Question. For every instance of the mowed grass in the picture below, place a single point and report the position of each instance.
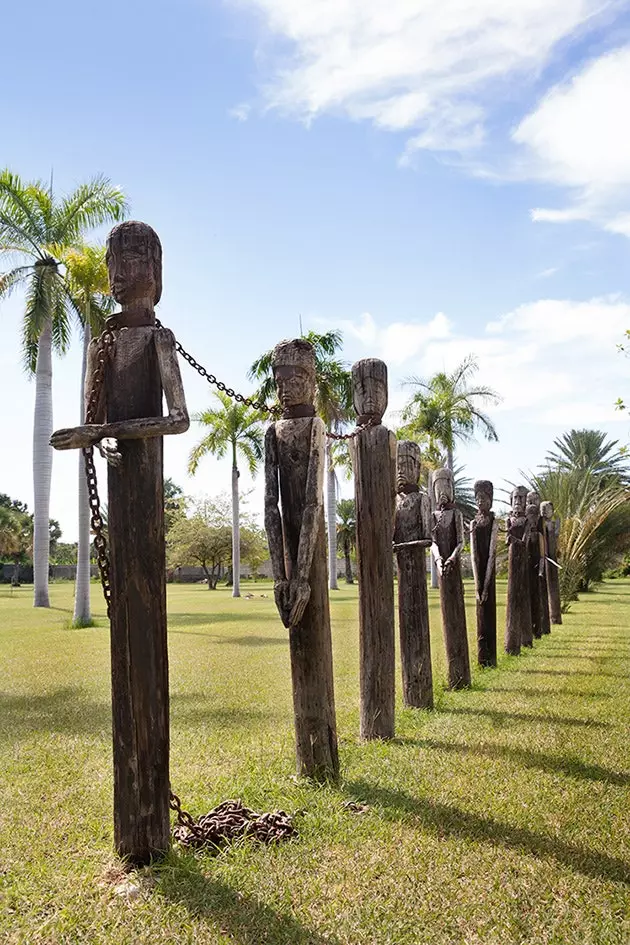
(503, 816)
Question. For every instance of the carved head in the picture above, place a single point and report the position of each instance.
(134, 263)
(546, 510)
(293, 364)
(532, 511)
(407, 466)
(484, 494)
(533, 498)
(518, 499)
(369, 388)
(443, 489)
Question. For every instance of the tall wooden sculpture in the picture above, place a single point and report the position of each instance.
(483, 547)
(448, 540)
(518, 623)
(129, 428)
(411, 537)
(294, 477)
(552, 533)
(374, 458)
(537, 580)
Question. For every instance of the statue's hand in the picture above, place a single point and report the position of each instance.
(281, 595)
(108, 448)
(74, 438)
(300, 594)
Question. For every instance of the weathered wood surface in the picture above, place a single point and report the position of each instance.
(411, 538)
(141, 366)
(483, 545)
(536, 568)
(552, 532)
(294, 476)
(374, 457)
(448, 539)
(518, 623)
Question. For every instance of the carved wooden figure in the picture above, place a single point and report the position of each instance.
(518, 622)
(483, 547)
(537, 581)
(128, 431)
(294, 520)
(411, 538)
(374, 458)
(448, 540)
(552, 529)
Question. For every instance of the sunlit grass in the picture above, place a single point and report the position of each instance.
(500, 817)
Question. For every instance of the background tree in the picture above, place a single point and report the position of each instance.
(86, 272)
(333, 403)
(347, 532)
(235, 428)
(254, 547)
(203, 539)
(36, 229)
(16, 534)
(174, 503)
(589, 451)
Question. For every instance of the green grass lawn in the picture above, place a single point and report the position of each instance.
(503, 816)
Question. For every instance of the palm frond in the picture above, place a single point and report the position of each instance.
(90, 205)
(9, 281)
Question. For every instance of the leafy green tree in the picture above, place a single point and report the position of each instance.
(333, 403)
(203, 539)
(16, 533)
(347, 532)
(235, 429)
(174, 503)
(254, 547)
(590, 451)
(36, 230)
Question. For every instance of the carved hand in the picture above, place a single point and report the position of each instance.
(73, 438)
(108, 448)
(299, 596)
(281, 595)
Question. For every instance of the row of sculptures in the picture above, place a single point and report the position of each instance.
(392, 514)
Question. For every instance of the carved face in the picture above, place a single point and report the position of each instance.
(533, 498)
(133, 265)
(546, 510)
(519, 500)
(443, 491)
(295, 385)
(407, 466)
(532, 511)
(484, 501)
(369, 391)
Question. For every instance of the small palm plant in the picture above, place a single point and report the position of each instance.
(347, 532)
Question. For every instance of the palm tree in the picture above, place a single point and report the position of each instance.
(35, 230)
(445, 409)
(589, 450)
(333, 402)
(237, 428)
(347, 532)
(86, 272)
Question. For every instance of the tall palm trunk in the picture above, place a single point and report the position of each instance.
(236, 532)
(82, 584)
(331, 508)
(346, 551)
(42, 466)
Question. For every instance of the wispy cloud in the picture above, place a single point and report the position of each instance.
(240, 112)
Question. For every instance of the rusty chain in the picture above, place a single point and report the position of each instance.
(230, 821)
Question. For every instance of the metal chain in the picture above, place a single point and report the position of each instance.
(211, 379)
(353, 433)
(230, 821)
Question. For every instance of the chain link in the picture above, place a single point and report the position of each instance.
(337, 437)
(227, 822)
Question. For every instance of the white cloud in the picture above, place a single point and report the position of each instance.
(240, 112)
(427, 66)
(553, 360)
(578, 137)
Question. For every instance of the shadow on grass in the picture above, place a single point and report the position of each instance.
(175, 618)
(498, 716)
(67, 711)
(569, 672)
(542, 693)
(251, 641)
(245, 919)
(555, 764)
(447, 820)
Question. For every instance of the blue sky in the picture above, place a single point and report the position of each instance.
(434, 178)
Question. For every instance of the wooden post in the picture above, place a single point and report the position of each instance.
(143, 364)
(374, 460)
(294, 476)
(411, 537)
(518, 623)
(483, 546)
(552, 529)
(448, 540)
(536, 563)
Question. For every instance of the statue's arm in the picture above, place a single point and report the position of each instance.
(492, 559)
(435, 551)
(473, 559)
(300, 587)
(273, 519)
(459, 529)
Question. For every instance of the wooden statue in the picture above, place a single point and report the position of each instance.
(552, 533)
(518, 623)
(128, 430)
(411, 537)
(294, 477)
(448, 541)
(374, 460)
(536, 550)
(484, 529)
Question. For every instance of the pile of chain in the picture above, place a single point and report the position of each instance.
(230, 821)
